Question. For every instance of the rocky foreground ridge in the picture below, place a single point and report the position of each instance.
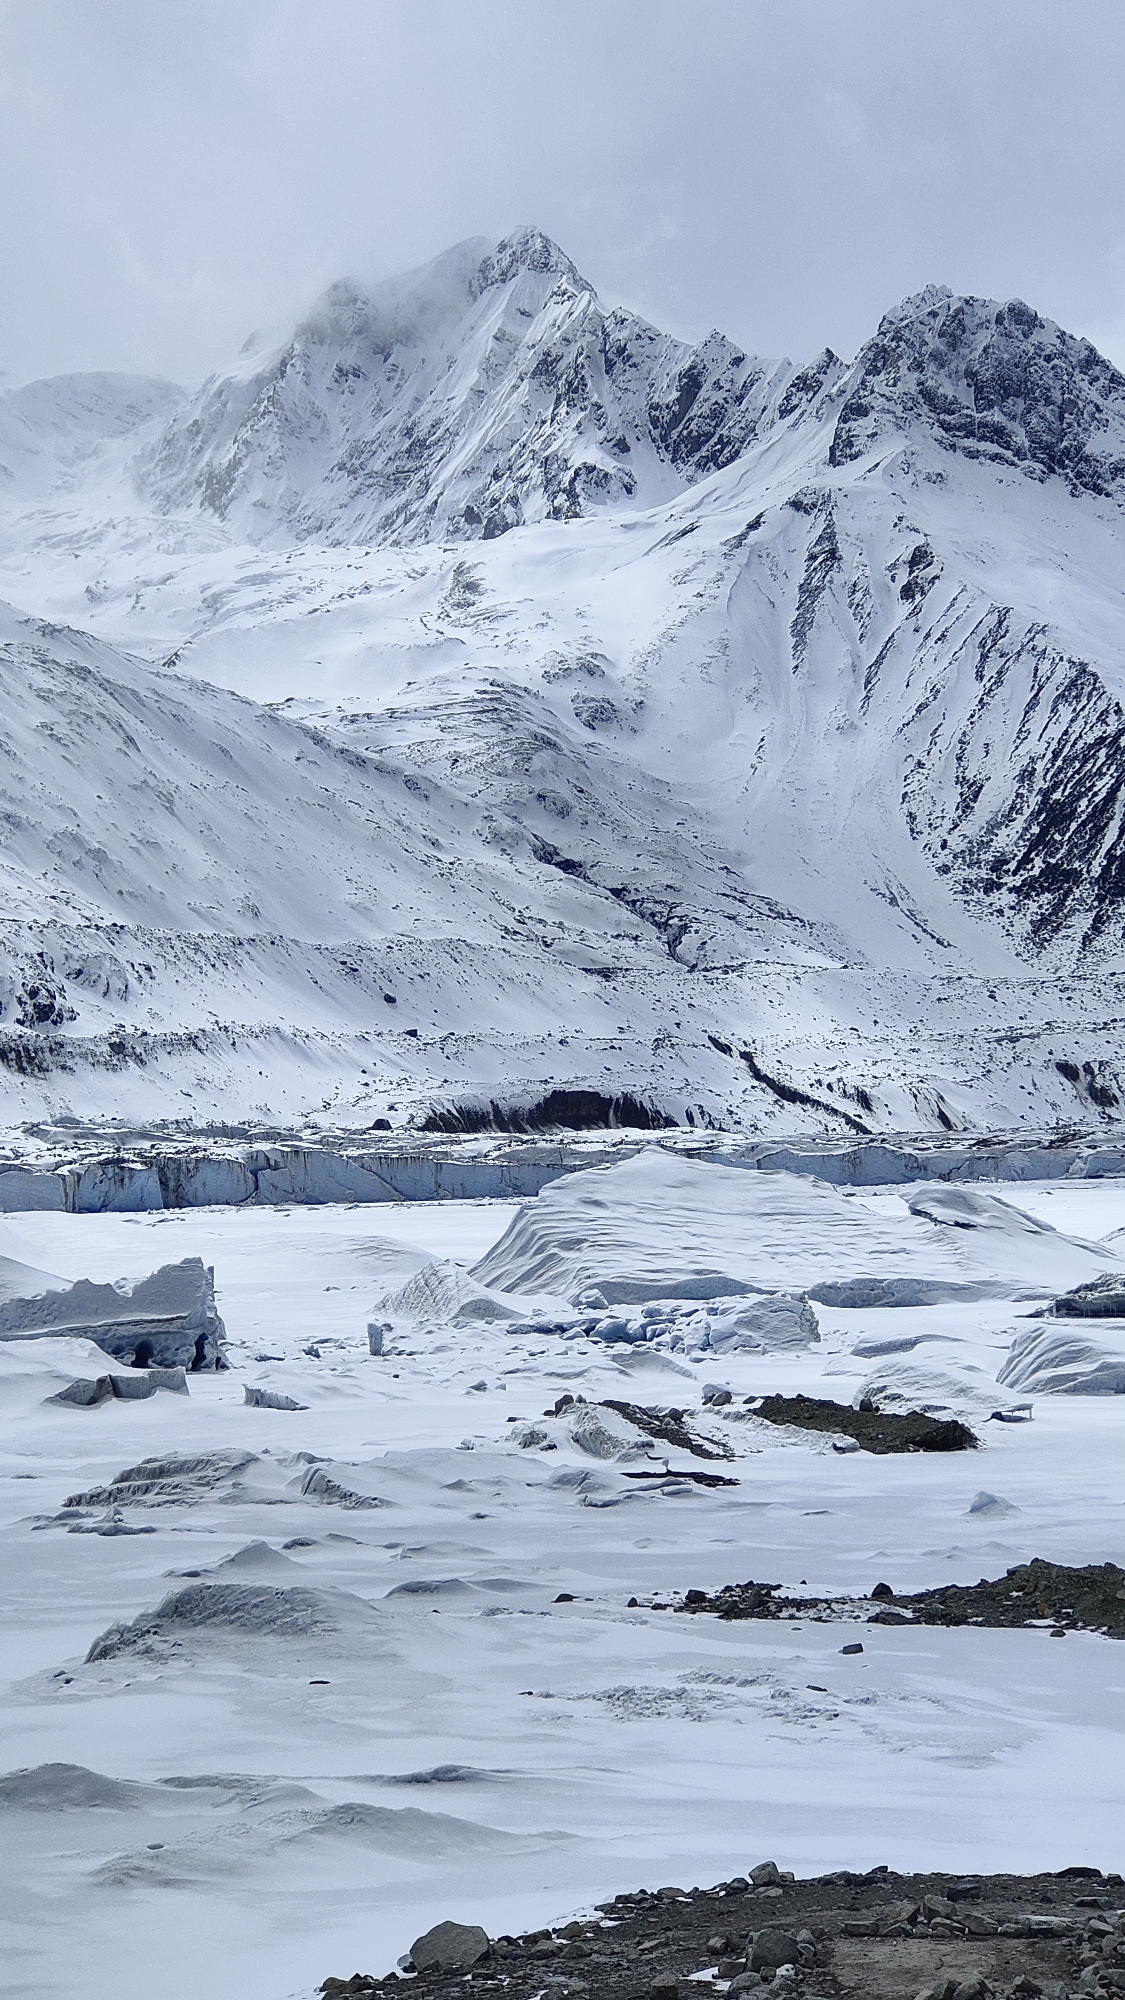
(880, 1935)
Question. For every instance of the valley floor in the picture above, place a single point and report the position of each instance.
(257, 1803)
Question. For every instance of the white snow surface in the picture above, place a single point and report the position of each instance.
(739, 736)
(662, 1227)
(334, 1699)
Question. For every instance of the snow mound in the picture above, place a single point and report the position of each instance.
(1017, 1246)
(1051, 1361)
(246, 1610)
(257, 1558)
(174, 1479)
(661, 1227)
(317, 1484)
(764, 1325)
(45, 1371)
(990, 1505)
(23, 1281)
(257, 1398)
(1102, 1298)
(897, 1388)
(441, 1294)
(399, 1830)
(66, 1788)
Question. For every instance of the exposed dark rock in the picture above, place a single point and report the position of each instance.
(568, 1110)
(991, 381)
(1091, 1599)
(871, 1429)
(668, 1427)
(872, 1936)
(450, 1947)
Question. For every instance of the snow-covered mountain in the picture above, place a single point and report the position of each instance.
(489, 389)
(744, 738)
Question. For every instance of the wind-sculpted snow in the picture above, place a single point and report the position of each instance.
(239, 1638)
(247, 1610)
(664, 1228)
(1056, 1360)
(440, 1293)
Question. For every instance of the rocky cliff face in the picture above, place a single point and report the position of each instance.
(990, 381)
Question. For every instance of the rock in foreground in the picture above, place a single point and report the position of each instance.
(450, 1948)
(1030, 1594)
(873, 1430)
(876, 1936)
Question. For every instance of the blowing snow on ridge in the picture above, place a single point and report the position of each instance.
(483, 695)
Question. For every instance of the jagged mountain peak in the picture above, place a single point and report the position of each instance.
(396, 309)
(991, 379)
(527, 249)
(842, 772)
(488, 389)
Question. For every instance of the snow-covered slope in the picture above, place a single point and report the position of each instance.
(768, 769)
(53, 433)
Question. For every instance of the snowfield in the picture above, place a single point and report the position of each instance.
(307, 1687)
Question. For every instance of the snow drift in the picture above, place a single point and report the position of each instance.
(658, 1227)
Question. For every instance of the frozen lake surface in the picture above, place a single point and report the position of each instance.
(429, 1733)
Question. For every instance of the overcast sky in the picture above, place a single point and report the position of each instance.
(178, 173)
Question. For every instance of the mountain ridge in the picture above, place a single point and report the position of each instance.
(796, 746)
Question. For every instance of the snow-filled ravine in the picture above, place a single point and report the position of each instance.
(363, 1706)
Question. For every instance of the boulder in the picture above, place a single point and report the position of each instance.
(450, 1947)
(771, 1948)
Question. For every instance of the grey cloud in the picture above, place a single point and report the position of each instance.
(178, 172)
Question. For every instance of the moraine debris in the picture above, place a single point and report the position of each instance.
(872, 1936)
(1031, 1594)
(873, 1430)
